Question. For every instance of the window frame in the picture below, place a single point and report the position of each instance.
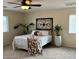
(7, 25)
(69, 25)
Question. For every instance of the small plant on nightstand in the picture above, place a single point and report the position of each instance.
(57, 30)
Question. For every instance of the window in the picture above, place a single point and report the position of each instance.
(5, 24)
(72, 24)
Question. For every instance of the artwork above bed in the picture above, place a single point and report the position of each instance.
(44, 23)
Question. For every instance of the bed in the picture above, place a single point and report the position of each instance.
(21, 41)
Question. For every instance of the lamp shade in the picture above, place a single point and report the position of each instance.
(25, 7)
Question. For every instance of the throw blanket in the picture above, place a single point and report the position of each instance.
(34, 45)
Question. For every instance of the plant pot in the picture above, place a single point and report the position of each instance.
(58, 41)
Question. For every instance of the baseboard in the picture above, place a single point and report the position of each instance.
(69, 47)
(6, 44)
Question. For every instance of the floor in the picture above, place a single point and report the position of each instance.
(48, 53)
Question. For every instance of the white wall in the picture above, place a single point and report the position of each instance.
(61, 17)
(14, 19)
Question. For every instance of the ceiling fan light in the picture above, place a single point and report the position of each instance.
(27, 1)
(25, 7)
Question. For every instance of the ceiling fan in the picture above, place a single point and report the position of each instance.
(25, 4)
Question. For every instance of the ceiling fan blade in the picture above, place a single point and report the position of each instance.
(13, 3)
(17, 6)
(20, 6)
(37, 5)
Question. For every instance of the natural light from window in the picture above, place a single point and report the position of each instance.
(72, 24)
(5, 24)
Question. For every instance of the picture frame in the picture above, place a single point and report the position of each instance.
(44, 23)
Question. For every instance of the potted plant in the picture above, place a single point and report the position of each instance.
(57, 30)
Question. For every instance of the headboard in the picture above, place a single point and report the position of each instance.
(44, 23)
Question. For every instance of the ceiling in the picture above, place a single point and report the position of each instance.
(46, 5)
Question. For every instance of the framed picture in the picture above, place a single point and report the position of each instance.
(44, 23)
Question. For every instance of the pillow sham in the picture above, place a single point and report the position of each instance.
(44, 32)
(41, 32)
(36, 33)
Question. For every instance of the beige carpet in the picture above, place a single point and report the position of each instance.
(48, 53)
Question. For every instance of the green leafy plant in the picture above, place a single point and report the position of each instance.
(57, 30)
(26, 27)
(23, 26)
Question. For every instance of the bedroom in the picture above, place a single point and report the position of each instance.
(60, 16)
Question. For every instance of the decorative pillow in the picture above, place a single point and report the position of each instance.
(36, 33)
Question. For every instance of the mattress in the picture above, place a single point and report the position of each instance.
(21, 41)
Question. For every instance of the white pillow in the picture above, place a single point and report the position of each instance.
(43, 32)
(32, 32)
